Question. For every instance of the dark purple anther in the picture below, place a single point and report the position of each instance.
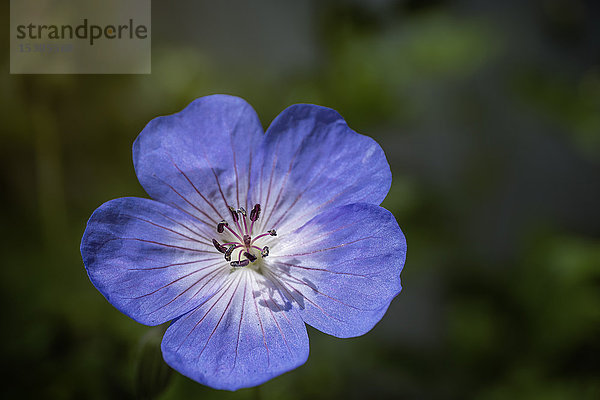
(247, 240)
(272, 232)
(237, 264)
(221, 226)
(255, 213)
(242, 211)
(265, 251)
(234, 214)
(218, 246)
(228, 252)
(250, 256)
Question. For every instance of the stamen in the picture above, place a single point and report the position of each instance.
(236, 218)
(245, 242)
(265, 251)
(237, 264)
(242, 211)
(229, 251)
(234, 214)
(221, 226)
(233, 232)
(218, 246)
(270, 232)
(255, 213)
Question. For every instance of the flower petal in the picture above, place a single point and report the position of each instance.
(341, 269)
(311, 161)
(149, 260)
(199, 159)
(244, 335)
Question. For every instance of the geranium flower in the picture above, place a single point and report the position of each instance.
(249, 237)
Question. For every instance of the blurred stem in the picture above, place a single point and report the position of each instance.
(50, 185)
(50, 189)
(152, 375)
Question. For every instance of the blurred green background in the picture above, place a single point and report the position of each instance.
(489, 113)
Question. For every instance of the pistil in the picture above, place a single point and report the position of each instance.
(245, 241)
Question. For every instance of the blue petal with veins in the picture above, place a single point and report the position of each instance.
(250, 236)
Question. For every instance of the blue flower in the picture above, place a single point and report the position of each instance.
(251, 236)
